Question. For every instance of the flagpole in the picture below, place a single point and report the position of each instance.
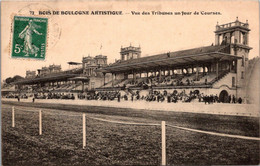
(101, 49)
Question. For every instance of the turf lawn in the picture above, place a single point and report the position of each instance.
(116, 144)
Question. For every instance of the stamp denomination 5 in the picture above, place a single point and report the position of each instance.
(29, 37)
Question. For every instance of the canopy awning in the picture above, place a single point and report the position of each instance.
(172, 60)
(79, 79)
(61, 76)
(74, 63)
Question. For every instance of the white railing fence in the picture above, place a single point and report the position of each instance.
(163, 129)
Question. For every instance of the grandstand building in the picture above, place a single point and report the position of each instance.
(78, 79)
(49, 70)
(30, 74)
(218, 69)
(91, 78)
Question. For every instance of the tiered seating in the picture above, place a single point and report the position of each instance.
(124, 82)
(73, 86)
(78, 86)
(61, 87)
(117, 83)
(169, 80)
(138, 82)
(209, 77)
(110, 83)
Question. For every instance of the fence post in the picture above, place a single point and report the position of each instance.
(40, 122)
(84, 129)
(163, 144)
(13, 124)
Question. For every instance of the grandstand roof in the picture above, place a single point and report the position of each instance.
(46, 79)
(74, 63)
(79, 78)
(61, 76)
(173, 59)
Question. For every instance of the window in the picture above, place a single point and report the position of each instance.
(233, 81)
(92, 85)
(242, 75)
(243, 61)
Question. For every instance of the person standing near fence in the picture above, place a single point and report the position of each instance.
(118, 97)
(233, 99)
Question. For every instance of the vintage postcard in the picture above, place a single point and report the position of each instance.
(130, 82)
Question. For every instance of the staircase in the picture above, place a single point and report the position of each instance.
(220, 76)
(109, 84)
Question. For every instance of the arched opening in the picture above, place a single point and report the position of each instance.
(223, 96)
(197, 92)
(220, 39)
(233, 37)
(206, 70)
(184, 71)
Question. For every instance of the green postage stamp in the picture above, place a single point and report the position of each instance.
(29, 37)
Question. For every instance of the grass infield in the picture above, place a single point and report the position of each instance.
(116, 144)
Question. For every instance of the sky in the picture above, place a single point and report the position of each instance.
(70, 37)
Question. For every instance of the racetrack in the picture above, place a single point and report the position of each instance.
(110, 143)
(251, 110)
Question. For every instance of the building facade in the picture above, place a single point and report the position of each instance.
(130, 52)
(30, 74)
(91, 64)
(49, 70)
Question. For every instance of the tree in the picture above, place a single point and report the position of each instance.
(8, 80)
(14, 79)
(17, 78)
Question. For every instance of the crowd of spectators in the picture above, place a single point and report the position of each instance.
(174, 97)
(16, 95)
(41, 95)
(54, 96)
(156, 96)
(112, 95)
(152, 96)
(173, 80)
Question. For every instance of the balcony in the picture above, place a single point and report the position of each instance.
(232, 24)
